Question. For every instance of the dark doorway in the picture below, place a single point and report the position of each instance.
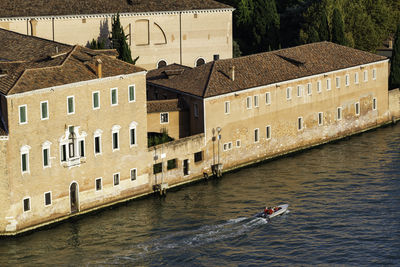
(73, 196)
(186, 167)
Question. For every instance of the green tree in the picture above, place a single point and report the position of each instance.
(395, 63)
(118, 41)
(338, 35)
(324, 33)
(272, 22)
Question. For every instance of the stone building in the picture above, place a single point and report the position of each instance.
(73, 131)
(188, 32)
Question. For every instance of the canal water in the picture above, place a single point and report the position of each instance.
(344, 209)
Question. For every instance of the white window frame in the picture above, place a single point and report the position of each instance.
(267, 98)
(300, 124)
(365, 76)
(129, 93)
(196, 110)
(288, 93)
(230, 145)
(227, 107)
(98, 93)
(46, 146)
(51, 199)
(347, 80)
(339, 114)
(319, 86)
(24, 150)
(256, 134)
(268, 132)
(41, 110)
(132, 126)
(119, 179)
(116, 96)
(98, 134)
(320, 118)
(309, 88)
(256, 104)
(26, 114)
(299, 90)
(115, 130)
(161, 122)
(225, 147)
(357, 108)
(356, 78)
(337, 80)
(238, 143)
(136, 174)
(101, 184)
(248, 102)
(374, 103)
(374, 74)
(73, 104)
(23, 204)
(328, 84)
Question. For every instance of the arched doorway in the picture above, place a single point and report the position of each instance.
(74, 197)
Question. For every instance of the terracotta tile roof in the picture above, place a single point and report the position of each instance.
(2, 131)
(23, 8)
(214, 78)
(166, 105)
(33, 68)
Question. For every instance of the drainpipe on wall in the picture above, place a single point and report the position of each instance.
(180, 37)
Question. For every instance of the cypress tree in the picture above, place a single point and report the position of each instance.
(272, 25)
(395, 64)
(338, 28)
(118, 41)
(324, 34)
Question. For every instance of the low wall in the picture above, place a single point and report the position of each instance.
(394, 104)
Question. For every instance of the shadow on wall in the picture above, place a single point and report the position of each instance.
(103, 41)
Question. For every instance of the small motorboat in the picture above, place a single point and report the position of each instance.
(273, 211)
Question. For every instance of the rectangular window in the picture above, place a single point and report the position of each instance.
(46, 156)
(164, 117)
(23, 118)
(227, 107)
(70, 105)
(63, 153)
(256, 135)
(373, 74)
(319, 89)
(27, 204)
(157, 168)
(133, 136)
(82, 148)
(99, 184)
(44, 112)
(299, 123)
(299, 91)
(337, 82)
(25, 162)
(238, 143)
(131, 90)
(356, 78)
(97, 145)
(116, 179)
(196, 110)
(198, 156)
(357, 108)
(248, 102)
(267, 98)
(374, 104)
(268, 132)
(365, 76)
(96, 100)
(115, 143)
(309, 88)
(133, 174)
(171, 164)
(229, 145)
(347, 80)
(114, 96)
(320, 118)
(71, 150)
(328, 84)
(256, 101)
(339, 113)
(47, 199)
(225, 146)
(288, 93)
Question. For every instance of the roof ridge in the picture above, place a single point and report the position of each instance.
(34, 37)
(209, 78)
(16, 81)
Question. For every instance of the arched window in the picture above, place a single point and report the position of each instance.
(162, 63)
(200, 61)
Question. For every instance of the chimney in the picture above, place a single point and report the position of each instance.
(390, 44)
(56, 49)
(99, 65)
(232, 70)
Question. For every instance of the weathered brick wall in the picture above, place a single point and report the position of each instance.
(4, 186)
(394, 103)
